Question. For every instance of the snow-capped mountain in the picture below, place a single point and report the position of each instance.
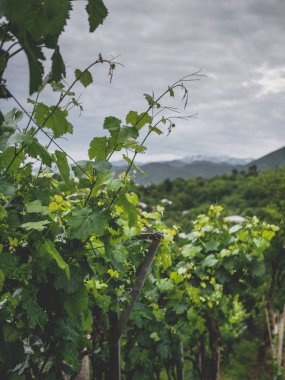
(217, 159)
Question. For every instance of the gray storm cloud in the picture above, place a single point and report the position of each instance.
(238, 44)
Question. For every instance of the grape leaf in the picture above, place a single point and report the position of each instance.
(102, 179)
(7, 188)
(35, 314)
(58, 66)
(210, 261)
(36, 150)
(40, 225)
(48, 247)
(37, 207)
(3, 212)
(98, 148)
(102, 166)
(130, 209)
(84, 77)
(68, 285)
(84, 222)
(137, 120)
(62, 165)
(112, 124)
(35, 56)
(19, 138)
(82, 167)
(156, 130)
(53, 118)
(10, 334)
(126, 132)
(97, 13)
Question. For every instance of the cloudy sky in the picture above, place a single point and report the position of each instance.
(238, 44)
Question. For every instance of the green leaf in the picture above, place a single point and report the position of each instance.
(53, 118)
(83, 166)
(4, 92)
(138, 121)
(149, 99)
(130, 210)
(180, 308)
(212, 245)
(35, 56)
(163, 350)
(155, 336)
(35, 314)
(125, 133)
(132, 117)
(97, 13)
(7, 188)
(37, 150)
(62, 165)
(37, 208)
(48, 247)
(68, 285)
(3, 212)
(8, 128)
(9, 263)
(83, 223)
(9, 139)
(156, 130)
(12, 118)
(7, 159)
(72, 361)
(58, 87)
(126, 158)
(102, 166)
(171, 92)
(98, 148)
(112, 124)
(38, 226)
(84, 77)
(58, 66)
(258, 269)
(19, 138)
(102, 179)
(165, 284)
(120, 136)
(10, 333)
(36, 25)
(189, 250)
(77, 302)
(210, 261)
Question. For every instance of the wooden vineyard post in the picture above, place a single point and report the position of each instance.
(119, 323)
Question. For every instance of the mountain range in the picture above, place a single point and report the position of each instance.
(201, 166)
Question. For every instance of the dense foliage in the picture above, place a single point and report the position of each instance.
(74, 239)
(243, 194)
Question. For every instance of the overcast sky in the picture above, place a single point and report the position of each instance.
(238, 44)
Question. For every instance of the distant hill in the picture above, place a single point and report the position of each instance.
(157, 172)
(269, 161)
